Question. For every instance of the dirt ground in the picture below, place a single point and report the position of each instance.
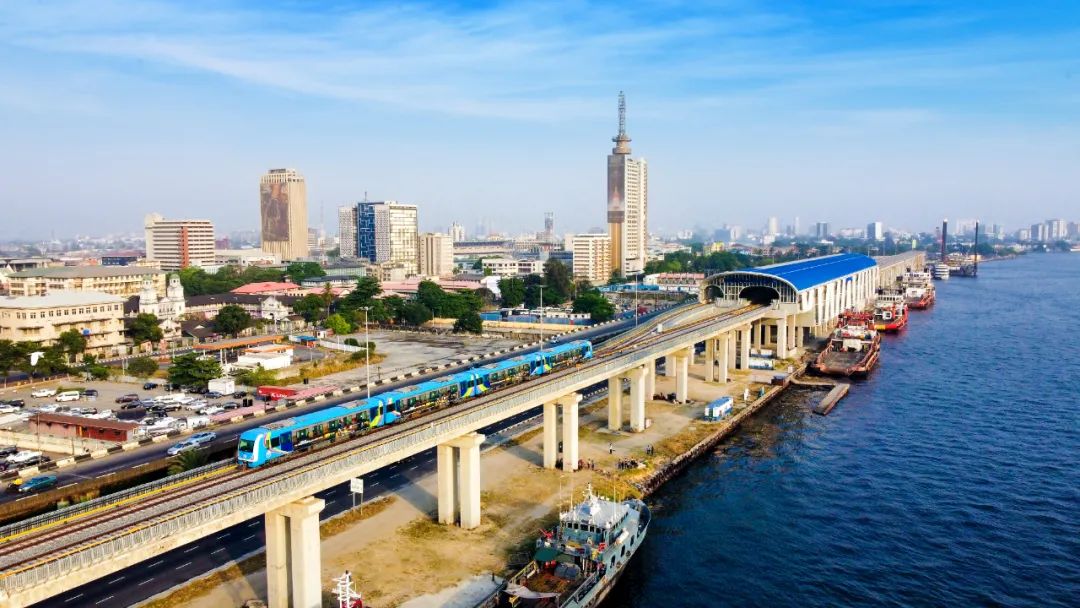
(401, 557)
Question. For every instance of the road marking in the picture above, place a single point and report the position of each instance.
(221, 536)
(249, 537)
(144, 582)
(74, 597)
(157, 563)
(115, 580)
(190, 549)
(217, 551)
(413, 468)
(183, 565)
(99, 602)
(254, 523)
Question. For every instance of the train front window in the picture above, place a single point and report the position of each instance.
(246, 445)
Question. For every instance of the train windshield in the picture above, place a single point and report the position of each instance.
(246, 445)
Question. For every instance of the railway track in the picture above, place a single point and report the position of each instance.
(96, 528)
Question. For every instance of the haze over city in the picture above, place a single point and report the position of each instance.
(905, 113)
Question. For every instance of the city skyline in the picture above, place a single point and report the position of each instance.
(966, 111)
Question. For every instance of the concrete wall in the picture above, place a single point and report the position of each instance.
(48, 443)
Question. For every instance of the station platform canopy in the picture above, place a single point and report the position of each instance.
(786, 280)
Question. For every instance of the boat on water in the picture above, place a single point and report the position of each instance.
(890, 311)
(853, 348)
(577, 564)
(940, 271)
(919, 292)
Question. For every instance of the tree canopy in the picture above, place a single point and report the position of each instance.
(72, 343)
(142, 367)
(146, 327)
(299, 271)
(190, 369)
(470, 322)
(415, 313)
(232, 319)
(338, 324)
(512, 290)
(312, 307)
(197, 281)
(595, 304)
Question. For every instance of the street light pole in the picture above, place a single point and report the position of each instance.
(541, 318)
(367, 352)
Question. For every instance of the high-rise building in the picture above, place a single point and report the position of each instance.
(627, 202)
(387, 232)
(436, 255)
(592, 257)
(773, 228)
(283, 210)
(1057, 230)
(456, 232)
(347, 224)
(821, 230)
(177, 244)
(795, 227)
(549, 227)
(875, 231)
(1040, 233)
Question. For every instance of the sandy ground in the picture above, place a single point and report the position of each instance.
(400, 557)
(407, 351)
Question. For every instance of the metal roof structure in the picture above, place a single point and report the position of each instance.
(804, 274)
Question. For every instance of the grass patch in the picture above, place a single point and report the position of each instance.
(201, 586)
(341, 523)
(326, 367)
(425, 529)
(524, 437)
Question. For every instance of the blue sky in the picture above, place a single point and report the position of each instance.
(840, 111)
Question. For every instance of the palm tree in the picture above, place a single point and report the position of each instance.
(187, 460)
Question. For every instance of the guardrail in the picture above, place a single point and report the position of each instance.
(45, 519)
(320, 470)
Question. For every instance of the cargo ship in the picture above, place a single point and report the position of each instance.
(852, 350)
(577, 564)
(890, 312)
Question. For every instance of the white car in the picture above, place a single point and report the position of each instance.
(8, 409)
(68, 396)
(23, 456)
(48, 408)
(43, 392)
(210, 410)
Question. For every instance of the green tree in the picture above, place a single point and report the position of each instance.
(415, 313)
(486, 296)
(512, 290)
(301, 271)
(312, 307)
(338, 324)
(72, 343)
(431, 295)
(470, 322)
(187, 461)
(91, 368)
(190, 369)
(232, 319)
(9, 356)
(146, 328)
(558, 281)
(142, 367)
(258, 376)
(366, 289)
(594, 303)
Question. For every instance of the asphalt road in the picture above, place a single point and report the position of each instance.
(227, 434)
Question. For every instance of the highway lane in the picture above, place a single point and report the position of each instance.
(182, 564)
(227, 434)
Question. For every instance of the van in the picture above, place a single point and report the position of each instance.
(69, 396)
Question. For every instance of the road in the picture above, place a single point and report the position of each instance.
(180, 565)
(227, 434)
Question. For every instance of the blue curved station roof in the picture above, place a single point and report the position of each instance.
(804, 274)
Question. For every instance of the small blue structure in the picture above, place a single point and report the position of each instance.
(719, 409)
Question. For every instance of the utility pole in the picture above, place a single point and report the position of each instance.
(367, 353)
(541, 318)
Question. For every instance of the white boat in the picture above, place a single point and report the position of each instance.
(940, 271)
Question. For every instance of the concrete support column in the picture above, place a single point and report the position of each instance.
(448, 481)
(733, 339)
(682, 377)
(614, 403)
(277, 560)
(469, 476)
(570, 430)
(755, 335)
(650, 380)
(799, 336)
(304, 552)
(551, 436)
(637, 397)
(791, 333)
(744, 354)
(710, 359)
(781, 338)
(722, 350)
(669, 366)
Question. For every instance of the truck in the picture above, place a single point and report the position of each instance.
(225, 386)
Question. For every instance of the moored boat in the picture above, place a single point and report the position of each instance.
(919, 292)
(577, 564)
(852, 350)
(890, 312)
(940, 271)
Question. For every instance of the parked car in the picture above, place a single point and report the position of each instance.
(8, 409)
(210, 410)
(23, 456)
(90, 392)
(149, 386)
(43, 392)
(231, 405)
(47, 408)
(128, 398)
(34, 484)
(131, 405)
(8, 450)
(68, 396)
(213, 395)
(239, 394)
(15, 402)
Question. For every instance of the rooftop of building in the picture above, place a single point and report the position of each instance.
(60, 298)
(804, 274)
(236, 298)
(85, 272)
(265, 287)
(112, 425)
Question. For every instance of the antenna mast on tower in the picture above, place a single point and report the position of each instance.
(622, 114)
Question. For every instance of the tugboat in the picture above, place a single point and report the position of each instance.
(853, 348)
(576, 565)
(919, 292)
(890, 312)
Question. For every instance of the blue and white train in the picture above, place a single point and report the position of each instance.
(279, 439)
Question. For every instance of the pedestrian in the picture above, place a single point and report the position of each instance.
(611, 448)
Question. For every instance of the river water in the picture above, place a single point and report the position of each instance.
(951, 477)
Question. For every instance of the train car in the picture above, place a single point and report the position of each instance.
(260, 445)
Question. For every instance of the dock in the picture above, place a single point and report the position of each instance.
(829, 401)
